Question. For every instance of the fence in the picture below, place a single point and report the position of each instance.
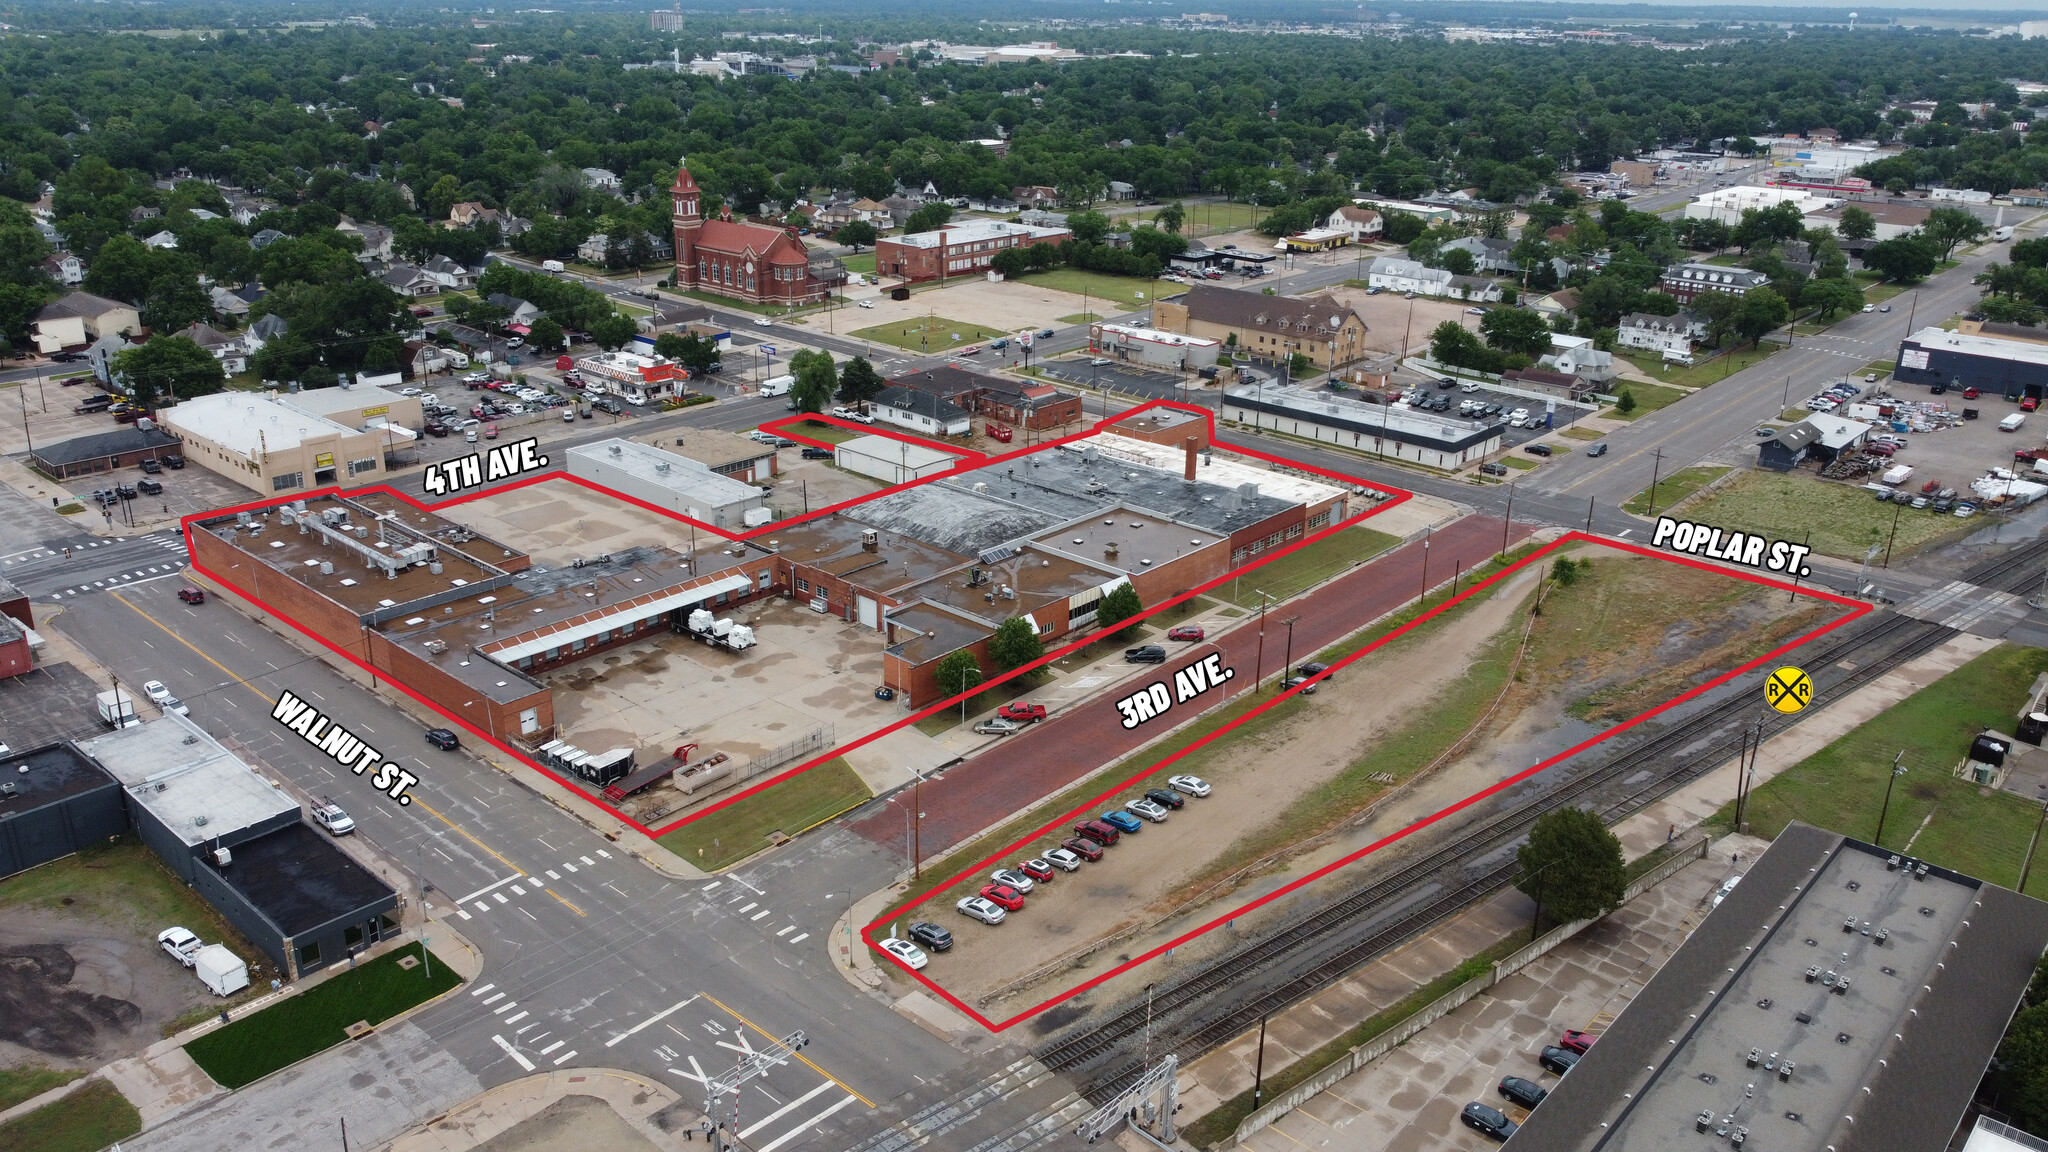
(1450, 1001)
(823, 736)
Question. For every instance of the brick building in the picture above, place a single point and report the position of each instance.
(1007, 399)
(726, 257)
(964, 249)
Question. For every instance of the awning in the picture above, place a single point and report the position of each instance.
(519, 648)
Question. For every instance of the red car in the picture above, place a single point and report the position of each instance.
(1185, 632)
(1931, 487)
(2029, 404)
(1971, 393)
(192, 595)
(1083, 847)
(1002, 894)
(1576, 1040)
(1021, 712)
(1099, 832)
(423, 313)
(1038, 870)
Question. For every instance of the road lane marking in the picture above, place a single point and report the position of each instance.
(657, 1018)
(799, 1055)
(461, 913)
(482, 907)
(565, 903)
(514, 1053)
(554, 875)
(786, 1109)
(487, 888)
(500, 897)
(807, 1125)
(603, 853)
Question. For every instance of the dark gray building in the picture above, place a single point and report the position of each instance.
(102, 452)
(2010, 368)
(240, 841)
(54, 801)
(1840, 999)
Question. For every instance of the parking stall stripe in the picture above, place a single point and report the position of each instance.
(482, 907)
(482, 990)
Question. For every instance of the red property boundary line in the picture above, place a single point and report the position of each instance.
(1858, 610)
(969, 462)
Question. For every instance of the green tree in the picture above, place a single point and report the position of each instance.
(1011, 262)
(2018, 1079)
(611, 332)
(929, 217)
(175, 301)
(958, 672)
(2009, 310)
(1761, 312)
(1516, 330)
(1088, 227)
(545, 335)
(1625, 402)
(1945, 228)
(859, 383)
(815, 380)
(1171, 217)
(1457, 261)
(121, 271)
(1906, 259)
(1119, 604)
(1571, 866)
(1015, 644)
(1832, 297)
(855, 233)
(169, 366)
(444, 194)
(1856, 224)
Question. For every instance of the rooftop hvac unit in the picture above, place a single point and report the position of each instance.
(7, 789)
(222, 857)
(327, 567)
(617, 450)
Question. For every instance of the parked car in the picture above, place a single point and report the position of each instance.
(818, 454)
(1046, 334)
(1104, 834)
(1013, 878)
(980, 909)
(1064, 859)
(1123, 822)
(1311, 668)
(1037, 869)
(1971, 393)
(1492, 469)
(1301, 682)
(1185, 632)
(1488, 1121)
(172, 460)
(149, 487)
(125, 491)
(1192, 785)
(151, 467)
(192, 595)
(1003, 896)
(1527, 1093)
(912, 956)
(180, 943)
(997, 726)
(329, 815)
(444, 739)
(1577, 1040)
(1166, 798)
(1022, 712)
(1148, 654)
(1148, 808)
(157, 692)
(931, 936)
(1599, 449)
(867, 304)
(1082, 846)
(1558, 1060)
(764, 322)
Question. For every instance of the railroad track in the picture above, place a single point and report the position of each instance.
(1197, 1013)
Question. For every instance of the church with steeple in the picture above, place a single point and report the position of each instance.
(756, 263)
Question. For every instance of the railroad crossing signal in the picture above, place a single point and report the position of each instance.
(1788, 690)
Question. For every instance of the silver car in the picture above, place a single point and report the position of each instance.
(997, 726)
(1150, 809)
(1013, 878)
(986, 911)
(1061, 859)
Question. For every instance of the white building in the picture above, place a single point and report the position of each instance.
(1671, 337)
(1727, 204)
(890, 460)
(631, 377)
(1576, 356)
(920, 412)
(1383, 430)
(670, 482)
(1169, 350)
(1364, 224)
(1396, 274)
(272, 447)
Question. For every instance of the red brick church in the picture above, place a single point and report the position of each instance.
(726, 257)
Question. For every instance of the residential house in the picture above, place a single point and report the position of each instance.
(1488, 254)
(1543, 382)
(593, 248)
(1556, 304)
(226, 348)
(470, 214)
(899, 208)
(376, 239)
(603, 179)
(265, 239)
(1576, 356)
(510, 225)
(226, 303)
(163, 239)
(408, 280)
(64, 268)
(1363, 224)
(1267, 328)
(920, 412)
(1042, 218)
(138, 215)
(78, 319)
(833, 214)
(448, 273)
(2029, 197)
(1670, 337)
(243, 210)
(872, 211)
(1035, 195)
(1119, 190)
(101, 356)
(1023, 403)
(1398, 274)
(267, 327)
(517, 311)
(1688, 281)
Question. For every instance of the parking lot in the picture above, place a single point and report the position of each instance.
(1957, 454)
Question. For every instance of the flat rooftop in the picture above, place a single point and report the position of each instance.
(1227, 472)
(950, 515)
(449, 534)
(906, 453)
(298, 552)
(186, 779)
(1081, 479)
(327, 401)
(1036, 578)
(2021, 351)
(833, 544)
(300, 880)
(716, 449)
(660, 468)
(1891, 1063)
(941, 632)
(1126, 541)
(972, 231)
(248, 422)
(1332, 410)
(53, 772)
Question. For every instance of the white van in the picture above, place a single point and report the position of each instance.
(2012, 423)
(2001, 235)
(777, 385)
(551, 265)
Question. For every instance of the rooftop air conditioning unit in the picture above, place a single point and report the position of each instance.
(222, 857)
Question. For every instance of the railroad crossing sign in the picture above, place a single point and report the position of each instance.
(1788, 690)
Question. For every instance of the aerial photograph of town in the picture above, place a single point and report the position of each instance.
(875, 576)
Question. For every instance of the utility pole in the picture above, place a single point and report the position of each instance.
(1589, 515)
(1656, 473)
(1259, 1064)
(1892, 535)
(1288, 669)
(1259, 661)
(1507, 522)
(1426, 532)
(1898, 770)
(2028, 864)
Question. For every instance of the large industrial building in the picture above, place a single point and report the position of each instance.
(1842, 998)
(967, 248)
(671, 482)
(2010, 368)
(1404, 434)
(1007, 399)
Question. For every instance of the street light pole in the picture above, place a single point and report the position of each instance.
(1898, 770)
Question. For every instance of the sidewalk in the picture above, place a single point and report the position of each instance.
(596, 1109)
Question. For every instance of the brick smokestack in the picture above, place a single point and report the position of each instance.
(1189, 473)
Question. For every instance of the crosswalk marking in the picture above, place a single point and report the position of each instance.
(514, 1053)
(800, 939)
(786, 1109)
(565, 1057)
(793, 1133)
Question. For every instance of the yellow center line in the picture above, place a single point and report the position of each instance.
(558, 896)
(764, 1032)
(417, 802)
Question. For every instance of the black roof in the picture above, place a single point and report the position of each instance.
(300, 880)
(921, 402)
(950, 380)
(55, 772)
(101, 445)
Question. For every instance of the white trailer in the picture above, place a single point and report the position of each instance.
(720, 633)
(220, 970)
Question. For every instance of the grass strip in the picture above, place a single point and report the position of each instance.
(1952, 822)
(741, 829)
(1844, 519)
(85, 1121)
(1216, 1128)
(1673, 488)
(30, 1081)
(1649, 398)
(1309, 565)
(317, 1019)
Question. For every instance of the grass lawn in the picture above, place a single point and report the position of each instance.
(85, 1121)
(1577, 433)
(1842, 786)
(30, 1081)
(1130, 291)
(121, 883)
(790, 807)
(1520, 463)
(727, 301)
(863, 263)
(1844, 519)
(1649, 398)
(1673, 488)
(316, 1019)
(1081, 318)
(631, 309)
(1877, 290)
(827, 433)
(1704, 373)
(1882, 368)
(1308, 566)
(1210, 219)
(927, 333)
